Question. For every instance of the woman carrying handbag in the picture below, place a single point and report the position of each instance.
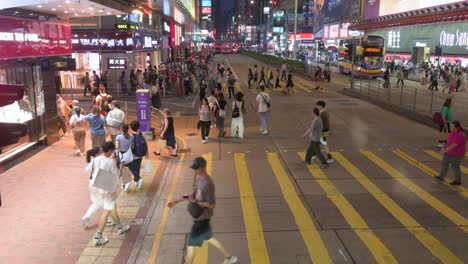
(104, 179)
(124, 145)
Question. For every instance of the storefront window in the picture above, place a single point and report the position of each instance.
(31, 108)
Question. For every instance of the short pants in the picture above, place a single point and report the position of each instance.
(201, 231)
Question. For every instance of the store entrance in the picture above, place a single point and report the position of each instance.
(420, 55)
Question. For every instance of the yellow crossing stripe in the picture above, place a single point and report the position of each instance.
(439, 157)
(162, 225)
(238, 87)
(201, 253)
(426, 238)
(253, 226)
(462, 190)
(314, 243)
(378, 249)
(446, 211)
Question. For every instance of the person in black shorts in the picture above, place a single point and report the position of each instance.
(202, 196)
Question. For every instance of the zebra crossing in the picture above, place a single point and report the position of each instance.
(318, 243)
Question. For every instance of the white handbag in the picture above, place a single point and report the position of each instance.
(104, 180)
(126, 157)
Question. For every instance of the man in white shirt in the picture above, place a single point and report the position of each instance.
(263, 107)
(115, 118)
(283, 71)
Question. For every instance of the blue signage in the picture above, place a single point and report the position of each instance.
(206, 3)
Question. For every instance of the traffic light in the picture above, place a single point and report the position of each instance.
(321, 46)
(438, 50)
(10, 133)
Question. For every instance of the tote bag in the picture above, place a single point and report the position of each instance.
(126, 157)
(104, 180)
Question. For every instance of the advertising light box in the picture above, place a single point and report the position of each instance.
(388, 7)
(206, 3)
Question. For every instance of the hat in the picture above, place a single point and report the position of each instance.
(198, 162)
(75, 102)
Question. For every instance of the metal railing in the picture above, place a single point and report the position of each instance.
(157, 116)
(421, 101)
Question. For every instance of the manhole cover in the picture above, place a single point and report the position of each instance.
(184, 150)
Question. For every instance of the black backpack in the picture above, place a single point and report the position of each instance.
(140, 148)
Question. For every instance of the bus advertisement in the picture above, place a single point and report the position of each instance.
(367, 54)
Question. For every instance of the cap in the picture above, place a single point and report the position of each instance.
(75, 102)
(198, 162)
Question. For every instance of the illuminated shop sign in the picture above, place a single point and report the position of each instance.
(206, 3)
(126, 26)
(457, 38)
(393, 39)
(206, 10)
(189, 5)
(117, 63)
(20, 38)
(114, 41)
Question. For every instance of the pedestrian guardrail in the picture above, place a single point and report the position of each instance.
(157, 116)
(421, 101)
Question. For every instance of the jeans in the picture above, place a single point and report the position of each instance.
(135, 167)
(263, 120)
(231, 91)
(314, 150)
(237, 124)
(453, 161)
(220, 125)
(205, 129)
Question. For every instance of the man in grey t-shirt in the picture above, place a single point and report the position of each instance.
(315, 132)
(204, 196)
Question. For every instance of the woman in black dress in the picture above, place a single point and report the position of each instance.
(289, 82)
(168, 134)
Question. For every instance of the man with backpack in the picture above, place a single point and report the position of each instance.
(103, 100)
(140, 150)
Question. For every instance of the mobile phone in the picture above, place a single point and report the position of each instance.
(185, 196)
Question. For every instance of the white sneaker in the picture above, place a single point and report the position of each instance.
(330, 160)
(85, 222)
(313, 157)
(441, 144)
(203, 141)
(100, 241)
(139, 183)
(230, 260)
(265, 132)
(261, 129)
(66, 134)
(206, 138)
(123, 229)
(78, 152)
(110, 223)
(125, 187)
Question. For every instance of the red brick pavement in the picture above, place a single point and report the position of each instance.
(44, 199)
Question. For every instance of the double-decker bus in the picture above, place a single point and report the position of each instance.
(367, 54)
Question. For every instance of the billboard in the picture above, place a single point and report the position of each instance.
(388, 7)
(341, 10)
(371, 8)
(21, 38)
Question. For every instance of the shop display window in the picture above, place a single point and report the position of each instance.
(28, 110)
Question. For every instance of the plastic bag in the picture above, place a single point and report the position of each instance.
(148, 167)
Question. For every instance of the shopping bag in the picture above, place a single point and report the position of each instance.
(148, 168)
(105, 180)
(161, 144)
(127, 176)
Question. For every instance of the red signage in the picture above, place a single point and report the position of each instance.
(22, 38)
(206, 10)
(302, 36)
(173, 35)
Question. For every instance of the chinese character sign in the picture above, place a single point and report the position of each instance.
(143, 109)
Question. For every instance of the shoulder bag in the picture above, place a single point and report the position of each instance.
(104, 180)
(265, 101)
(221, 112)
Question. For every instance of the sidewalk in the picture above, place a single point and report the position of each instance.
(44, 199)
